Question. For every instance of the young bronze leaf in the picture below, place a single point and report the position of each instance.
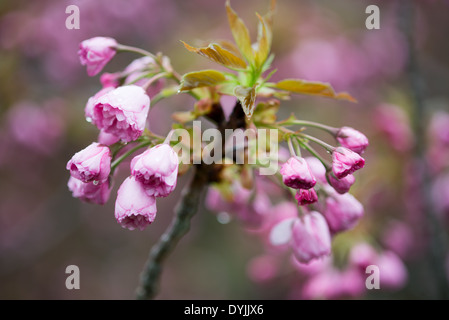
(263, 43)
(204, 78)
(312, 88)
(219, 55)
(247, 97)
(240, 33)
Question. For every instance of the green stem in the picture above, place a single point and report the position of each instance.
(305, 123)
(143, 52)
(326, 146)
(290, 147)
(128, 153)
(306, 146)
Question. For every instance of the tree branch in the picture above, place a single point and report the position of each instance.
(179, 226)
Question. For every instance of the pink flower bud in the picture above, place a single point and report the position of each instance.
(399, 238)
(134, 208)
(352, 139)
(89, 109)
(296, 174)
(157, 170)
(91, 164)
(393, 273)
(106, 138)
(310, 237)
(110, 80)
(305, 197)
(342, 212)
(317, 168)
(395, 124)
(138, 68)
(90, 191)
(345, 161)
(122, 112)
(362, 255)
(96, 52)
(341, 185)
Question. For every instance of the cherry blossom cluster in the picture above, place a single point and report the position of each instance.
(120, 110)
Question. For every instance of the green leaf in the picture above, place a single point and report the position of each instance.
(312, 88)
(219, 55)
(247, 97)
(240, 33)
(204, 78)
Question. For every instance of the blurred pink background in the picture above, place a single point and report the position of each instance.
(43, 91)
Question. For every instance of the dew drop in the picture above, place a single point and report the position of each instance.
(223, 217)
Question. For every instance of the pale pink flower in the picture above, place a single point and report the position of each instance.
(342, 212)
(107, 138)
(134, 208)
(345, 161)
(395, 124)
(96, 52)
(89, 108)
(311, 238)
(393, 273)
(93, 163)
(332, 283)
(139, 68)
(399, 238)
(362, 255)
(296, 174)
(317, 168)
(110, 79)
(38, 128)
(341, 185)
(352, 139)
(157, 170)
(122, 112)
(89, 192)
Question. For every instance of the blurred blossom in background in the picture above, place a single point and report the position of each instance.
(227, 253)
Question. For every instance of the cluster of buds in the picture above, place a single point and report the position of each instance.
(120, 110)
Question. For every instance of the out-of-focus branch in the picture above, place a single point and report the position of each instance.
(179, 226)
(437, 235)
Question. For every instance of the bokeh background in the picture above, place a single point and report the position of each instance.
(399, 74)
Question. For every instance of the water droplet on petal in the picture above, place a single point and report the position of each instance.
(223, 217)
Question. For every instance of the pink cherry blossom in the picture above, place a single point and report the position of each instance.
(311, 238)
(342, 212)
(93, 163)
(352, 139)
(122, 112)
(90, 192)
(296, 174)
(305, 197)
(341, 185)
(96, 52)
(345, 161)
(157, 170)
(134, 208)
